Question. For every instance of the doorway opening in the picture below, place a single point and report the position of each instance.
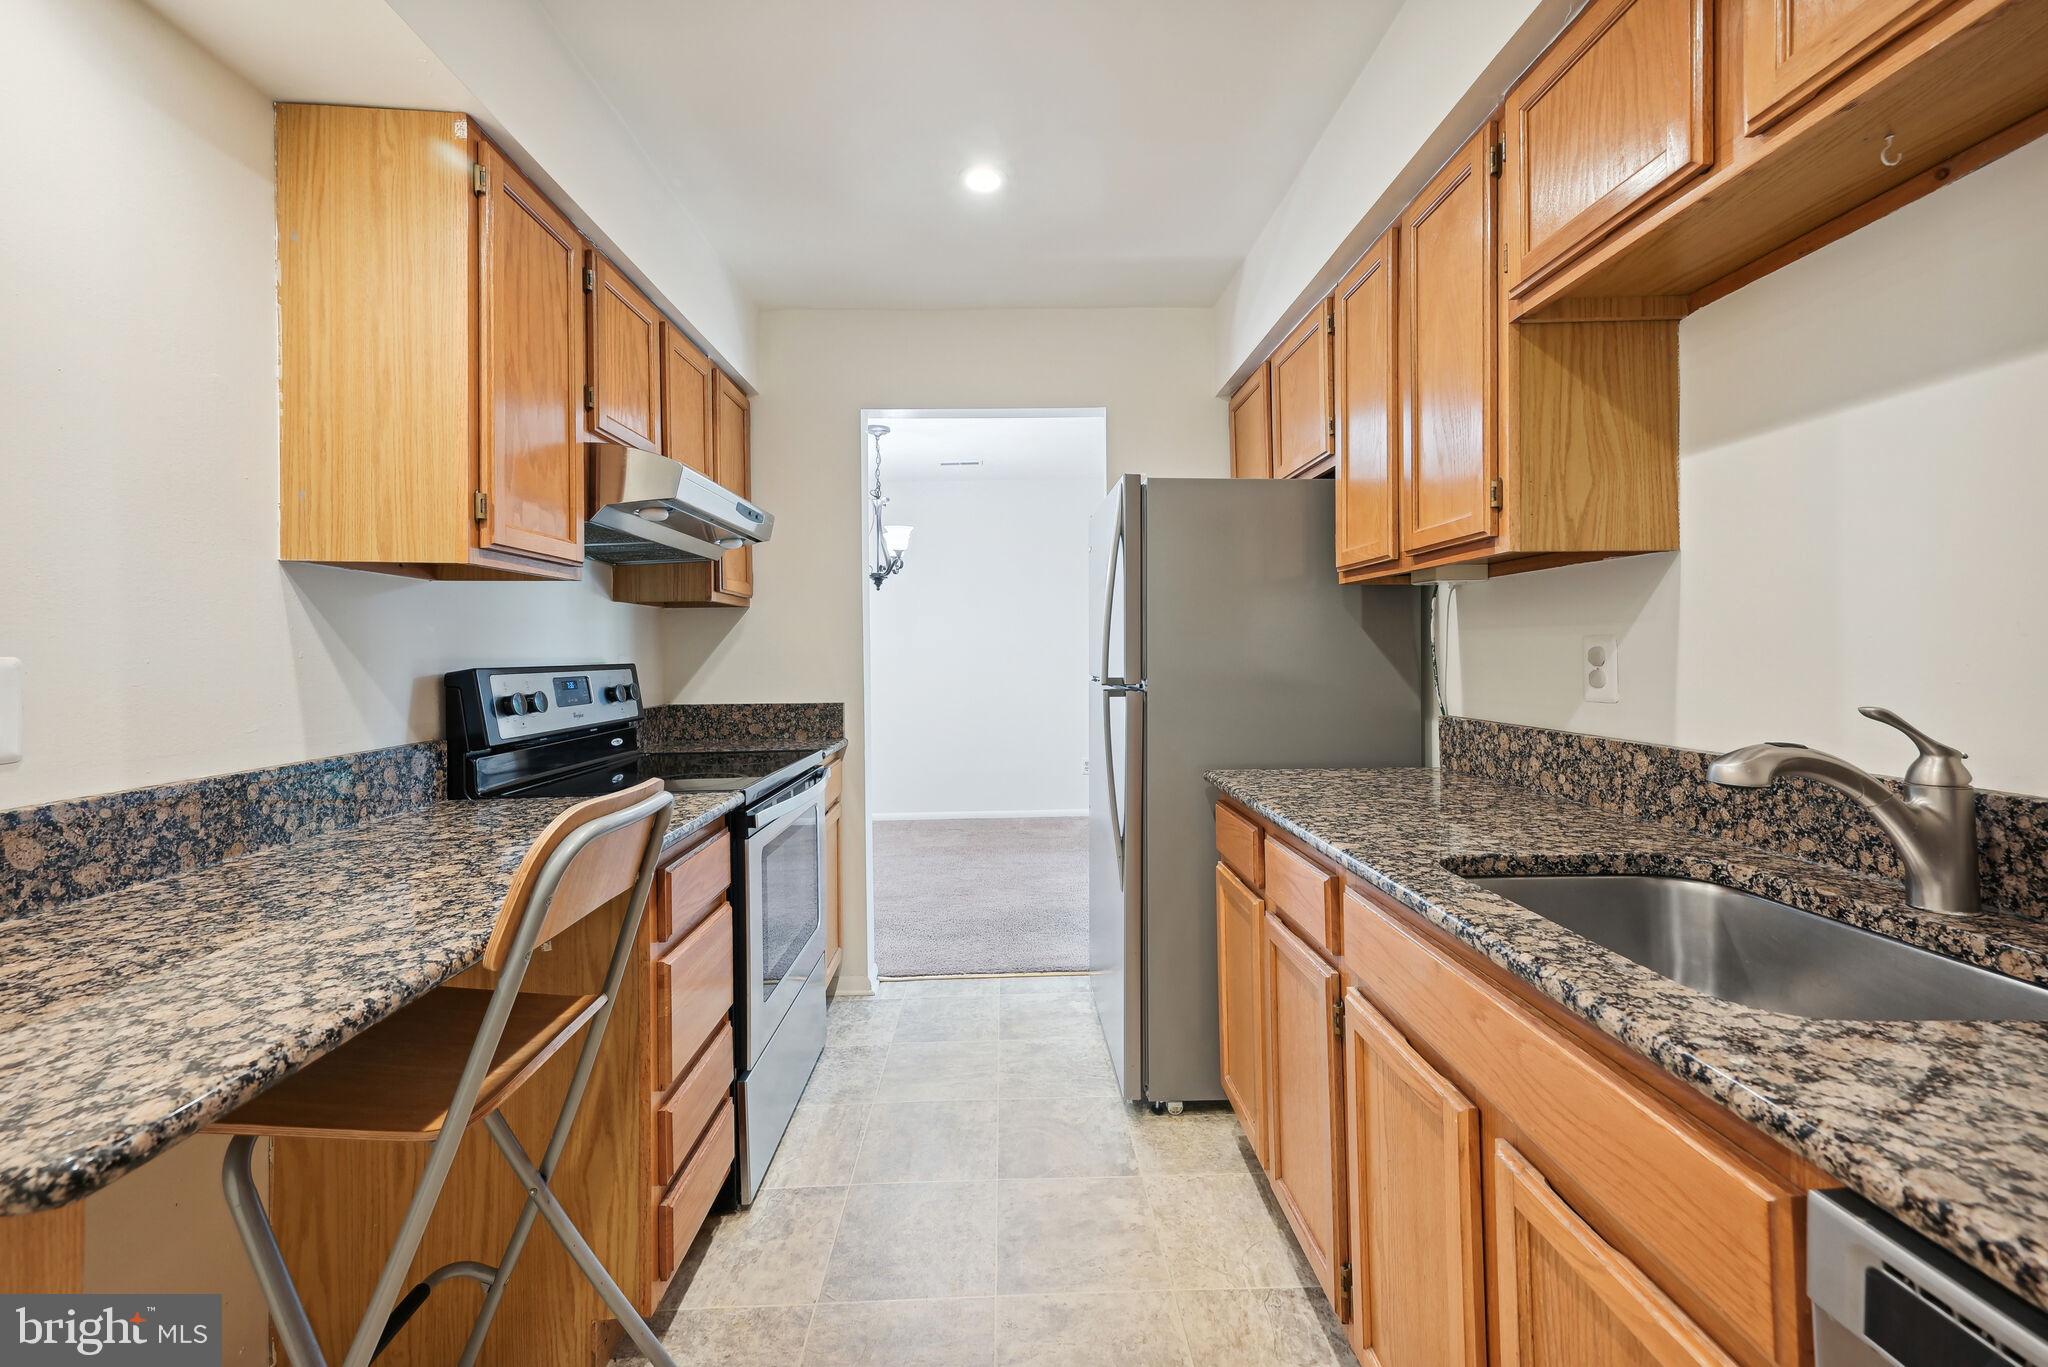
(977, 670)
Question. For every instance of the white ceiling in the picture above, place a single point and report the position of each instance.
(1061, 445)
(820, 142)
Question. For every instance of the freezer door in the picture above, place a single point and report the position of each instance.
(1116, 767)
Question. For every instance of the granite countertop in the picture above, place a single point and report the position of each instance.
(1943, 1123)
(130, 1020)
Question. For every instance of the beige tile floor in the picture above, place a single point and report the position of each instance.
(961, 1185)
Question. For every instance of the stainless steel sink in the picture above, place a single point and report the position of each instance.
(1760, 953)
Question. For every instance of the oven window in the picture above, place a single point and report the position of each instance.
(790, 908)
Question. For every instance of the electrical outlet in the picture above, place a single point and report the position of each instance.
(10, 711)
(1600, 660)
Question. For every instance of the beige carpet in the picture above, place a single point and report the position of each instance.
(993, 896)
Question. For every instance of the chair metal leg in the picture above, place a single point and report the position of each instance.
(287, 1313)
(542, 1197)
(496, 1295)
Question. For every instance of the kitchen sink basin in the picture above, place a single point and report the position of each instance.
(1761, 953)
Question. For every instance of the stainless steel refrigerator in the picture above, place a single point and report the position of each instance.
(1223, 640)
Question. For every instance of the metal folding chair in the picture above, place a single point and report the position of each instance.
(411, 1078)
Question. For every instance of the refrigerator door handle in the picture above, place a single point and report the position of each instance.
(1116, 545)
(1116, 820)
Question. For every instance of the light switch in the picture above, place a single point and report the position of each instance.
(10, 710)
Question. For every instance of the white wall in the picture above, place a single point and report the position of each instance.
(1439, 71)
(801, 641)
(161, 637)
(1862, 468)
(978, 651)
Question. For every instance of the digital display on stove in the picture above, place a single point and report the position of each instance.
(572, 691)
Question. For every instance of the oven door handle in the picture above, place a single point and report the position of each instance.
(805, 795)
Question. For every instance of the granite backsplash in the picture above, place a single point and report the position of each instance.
(88, 846)
(742, 726)
(1669, 787)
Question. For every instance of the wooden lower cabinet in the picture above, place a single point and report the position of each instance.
(1477, 1178)
(1304, 1091)
(1418, 1294)
(1240, 925)
(1564, 1298)
(835, 894)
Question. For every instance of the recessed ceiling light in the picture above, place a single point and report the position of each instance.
(983, 180)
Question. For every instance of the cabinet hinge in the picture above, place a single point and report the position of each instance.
(482, 505)
(1496, 157)
(1337, 1017)
(1493, 493)
(479, 178)
(1344, 1281)
(589, 397)
(1330, 326)
(590, 279)
(1333, 429)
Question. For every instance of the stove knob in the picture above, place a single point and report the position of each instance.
(613, 693)
(625, 692)
(512, 705)
(536, 702)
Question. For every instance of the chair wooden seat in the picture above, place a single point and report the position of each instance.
(395, 1080)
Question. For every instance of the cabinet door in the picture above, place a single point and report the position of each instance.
(1792, 50)
(1304, 1101)
(732, 460)
(1251, 429)
(1610, 118)
(1415, 1225)
(625, 359)
(1449, 309)
(1240, 923)
(1564, 1298)
(835, 900)
(1303, 431)
(689, 389)
(529, 348)
(1368, 411)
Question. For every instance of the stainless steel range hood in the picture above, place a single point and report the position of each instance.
(650, 510)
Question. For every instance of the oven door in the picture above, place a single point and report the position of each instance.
(785, 906)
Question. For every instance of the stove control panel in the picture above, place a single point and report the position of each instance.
(508, 705)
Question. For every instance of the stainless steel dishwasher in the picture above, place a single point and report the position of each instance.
(1884, 1296)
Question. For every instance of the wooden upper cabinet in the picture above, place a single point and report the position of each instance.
(733, 464)
(1792, 50)
(625, 359)
(1564, 1298)
(430, 364)
(1449, 311)
(1251, 428)
(689, 388)
(1303, 430)
(1613, 116)
(1419, 1293)
(529, 345)
(1368, 401)
(1304, 1077)
(1240, 926)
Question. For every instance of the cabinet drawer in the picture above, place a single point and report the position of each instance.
(1241, 845)
(1712, 1230)
(684, 1205)
(680, 1119)
(685, 891)
(1305, 895)
(692, 994)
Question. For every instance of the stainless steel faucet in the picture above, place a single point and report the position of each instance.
(1934, 825)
